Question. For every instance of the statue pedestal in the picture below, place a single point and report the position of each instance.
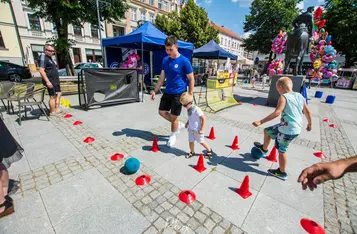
(298, 82)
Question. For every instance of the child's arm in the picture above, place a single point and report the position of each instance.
(279, 108)
(203, 120)
(186, 125)
(307, 113)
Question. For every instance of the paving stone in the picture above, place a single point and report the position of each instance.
(202, 230)
(153, 205)
(152, 217)
(193, 223)
(151, 230)
(154, 194)
(174, 210)
(209, 224)
(159, 209)
(160, 223)
(146, 200)
(138, 204)
(189, 211)
(204, 209)
(166, 205)
(216, 217)
(183, 217)
(200, 216)
(225, 224)
(218, 230)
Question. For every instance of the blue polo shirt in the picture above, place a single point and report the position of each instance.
(176, 71)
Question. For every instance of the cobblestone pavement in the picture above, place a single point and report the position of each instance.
(158, 202)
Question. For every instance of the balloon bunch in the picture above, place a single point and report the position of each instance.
(279, 43)
(275, 67)
(131, 61)
(323, 54)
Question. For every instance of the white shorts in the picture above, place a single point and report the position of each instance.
(195, 136)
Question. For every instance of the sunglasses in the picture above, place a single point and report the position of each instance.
(52, 51)
(185, 105)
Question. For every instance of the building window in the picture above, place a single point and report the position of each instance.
(221, 41)
(152, 18)
(159, 4)
(225, 42)
(133, 14)
(34, 22)
(165, 5)
(143, 18)
(77, 30)
(93, 55)
(118, 31)
(94, 30)
(151, 2)
(2, 44)
(37, 50)
(142, 0)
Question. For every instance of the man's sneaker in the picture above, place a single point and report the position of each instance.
(172, 140)
(180, 127)
(260, 146)
(277, 173)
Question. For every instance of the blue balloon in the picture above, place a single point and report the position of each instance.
(132, 165)
(329, 38)
(257, 153)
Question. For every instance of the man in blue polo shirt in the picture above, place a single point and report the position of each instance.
(177, 69)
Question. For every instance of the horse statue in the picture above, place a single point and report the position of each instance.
(296, 46)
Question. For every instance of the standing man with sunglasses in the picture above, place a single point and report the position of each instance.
(177, 70)
(50, 78)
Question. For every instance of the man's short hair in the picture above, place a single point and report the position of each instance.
(49, 45)
(170, 41)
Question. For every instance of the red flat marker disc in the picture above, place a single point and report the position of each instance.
(255, 104)
(311, 226)
(77, 123)
(117, 157)
(187, 196)
(89, 140)
(67, 116)
(326, 120)
(333, 125)
(143, 180)
(320, 155)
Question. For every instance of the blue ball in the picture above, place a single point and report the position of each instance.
(257, 153)
(132, 165)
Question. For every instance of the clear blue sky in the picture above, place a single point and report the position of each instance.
(231, 13)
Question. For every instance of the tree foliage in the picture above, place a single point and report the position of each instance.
(64, 12)
(191, 25)
(266, 19)
(341, 23)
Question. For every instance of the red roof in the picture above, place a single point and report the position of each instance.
(226, 31)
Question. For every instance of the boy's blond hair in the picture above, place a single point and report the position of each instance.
(186, 98)
(285, 82)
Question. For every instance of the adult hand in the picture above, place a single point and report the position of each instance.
(200, 131)
(49, 85)
(186, 125)
(321, 172)
(153, 95)
(257, 123)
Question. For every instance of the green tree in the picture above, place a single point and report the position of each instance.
(341, 23)
(64, 12)
(191, 25)
(266, 19)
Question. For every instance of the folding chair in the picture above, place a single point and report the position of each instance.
(25, 101)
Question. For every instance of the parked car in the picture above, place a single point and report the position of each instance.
(14, 72)
(78, 67)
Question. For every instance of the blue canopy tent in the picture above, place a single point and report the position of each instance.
(213, 51)
(146, 38)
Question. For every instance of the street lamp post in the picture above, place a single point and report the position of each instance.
(105, 4)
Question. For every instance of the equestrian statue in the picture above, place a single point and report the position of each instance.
(298, 42)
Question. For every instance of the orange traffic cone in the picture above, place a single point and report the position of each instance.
(211, 134)
(243, 191)
(272, 155)
(155, 147)
(200, 167)
(235, 144)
